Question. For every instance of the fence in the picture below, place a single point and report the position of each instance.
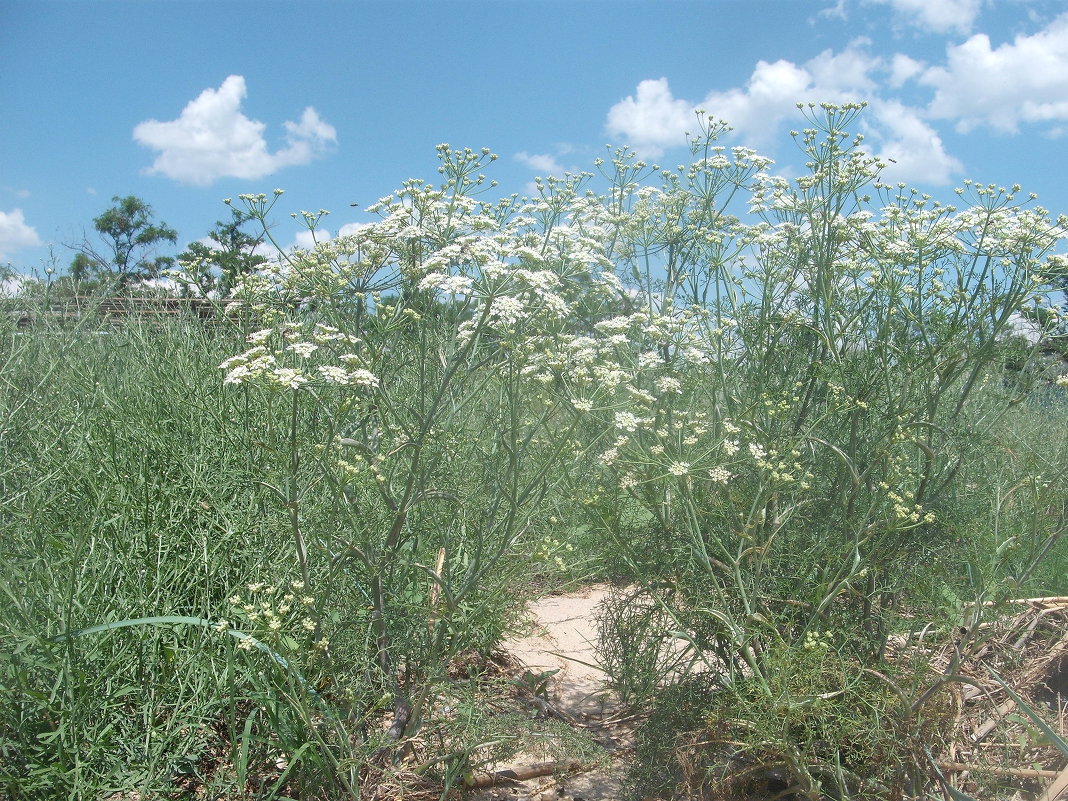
(28, 312)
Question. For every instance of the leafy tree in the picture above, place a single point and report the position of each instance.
(218, 264)
(83, 266)
(1056, 274)
(1053, 317)
(130, 238)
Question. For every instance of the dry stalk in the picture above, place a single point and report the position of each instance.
(538, 769)
(1024, 773)
(1056, 789)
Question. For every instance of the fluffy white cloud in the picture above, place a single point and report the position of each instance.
(212, 139)
(774, 90)
(914, 150)
(1025, 81)
(843, 76)
(352, 228)
(653, 119)
(837, 11)
(769, 95)
(305, 240)
(540, 162)
(938, 16)
(15, 233)
(903, 69)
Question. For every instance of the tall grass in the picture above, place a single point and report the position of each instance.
(129, 491)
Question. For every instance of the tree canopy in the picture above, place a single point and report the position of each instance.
(130, 239)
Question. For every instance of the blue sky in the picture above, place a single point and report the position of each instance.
(186, 102)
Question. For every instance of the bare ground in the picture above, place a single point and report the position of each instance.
(561, 637)
(1028, 646)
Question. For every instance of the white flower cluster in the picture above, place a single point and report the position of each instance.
(447, 284)
(270, 612)
(266, 366)
(629, 305)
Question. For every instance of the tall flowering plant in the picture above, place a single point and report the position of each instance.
(415, 345)
(761, 392)
(796, 395)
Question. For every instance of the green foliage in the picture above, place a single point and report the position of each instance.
(124, 499)
(800, 441)
(83, 267)
(818, 725)
(216, 267)
(130, 237)
(637, 646)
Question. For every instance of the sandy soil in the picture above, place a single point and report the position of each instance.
(563, 630)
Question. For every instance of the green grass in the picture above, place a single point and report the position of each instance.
(129, 489)
(134, 487)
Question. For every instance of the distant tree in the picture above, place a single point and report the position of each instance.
(130, 238)
(1054, 275)
(217, 265)
(83, 267)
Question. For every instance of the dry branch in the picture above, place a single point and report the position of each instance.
(1023, 773)
(1058, 788)
(480, 780)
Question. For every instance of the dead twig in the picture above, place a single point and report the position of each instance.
(1023, 773)
(1056, 789)
(480, 780)
(991, 723)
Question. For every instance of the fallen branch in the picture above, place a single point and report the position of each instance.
(1023, 773)
(1057, 600)
(534, 771)
(1055, 791)
(992, 722)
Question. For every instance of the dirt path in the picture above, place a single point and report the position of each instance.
(562, 635)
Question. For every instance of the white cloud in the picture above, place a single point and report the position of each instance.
(12, 286)
(774, 90)
(162, 284)
(1025, 81)
(302, 240)
(652, 119)
(914, 148)
(212, 139)
(15, 233)
(307, 139)
(1022, 81)
(903, 69)
(837, 11)
(845, 75)
(770, 94)
(352, 228)
(540, 162)
(1020, 326)
(305, 240)
(938, 16)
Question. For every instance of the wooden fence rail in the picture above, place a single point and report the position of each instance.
(25, 313)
